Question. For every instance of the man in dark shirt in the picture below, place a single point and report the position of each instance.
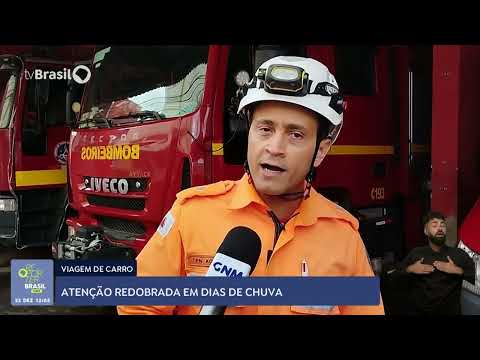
(435, 272)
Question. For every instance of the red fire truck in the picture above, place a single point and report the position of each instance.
(456, 153)
(158, 119)
(454, 136)
(34, 141)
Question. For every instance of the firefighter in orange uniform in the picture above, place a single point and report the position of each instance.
(295, 111)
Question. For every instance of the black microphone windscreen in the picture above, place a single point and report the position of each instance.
(243, 244)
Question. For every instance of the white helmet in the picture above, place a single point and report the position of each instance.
(298, 80)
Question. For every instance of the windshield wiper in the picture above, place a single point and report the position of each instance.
(142, 115)
(104, 120)
(98, 120)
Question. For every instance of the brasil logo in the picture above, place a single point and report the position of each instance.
(32, 277)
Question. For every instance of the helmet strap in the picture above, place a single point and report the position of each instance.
(311, 173)
(247, 171)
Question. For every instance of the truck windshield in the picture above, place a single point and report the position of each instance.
(163, 81)
(8, 84)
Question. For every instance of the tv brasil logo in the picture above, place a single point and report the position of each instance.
(65, 74)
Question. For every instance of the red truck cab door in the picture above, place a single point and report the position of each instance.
(41, 153)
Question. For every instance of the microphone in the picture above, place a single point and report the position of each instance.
(237, 256)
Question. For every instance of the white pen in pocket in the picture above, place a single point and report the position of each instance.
(304, 268)
(313, 307)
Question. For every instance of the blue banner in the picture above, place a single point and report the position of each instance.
(95, 268)
(109, 291)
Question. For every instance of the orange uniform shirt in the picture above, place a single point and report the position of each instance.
(320, 233)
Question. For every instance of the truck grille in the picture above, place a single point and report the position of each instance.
(121, 229)
(116, 202)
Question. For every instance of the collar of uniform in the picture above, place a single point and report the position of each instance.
(245, 194)
(317, 206)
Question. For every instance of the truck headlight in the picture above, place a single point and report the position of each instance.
(8, 205)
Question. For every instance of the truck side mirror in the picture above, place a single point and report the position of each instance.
(74, 94)
(76, 107)
(73, 119)
(237, 124)
(242, 78)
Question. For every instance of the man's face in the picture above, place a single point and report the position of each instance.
(281, 143)
(437, 231)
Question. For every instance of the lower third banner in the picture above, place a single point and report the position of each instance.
(128, 290)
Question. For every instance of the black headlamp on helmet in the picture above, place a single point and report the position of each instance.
(284, 79)
(292, 80)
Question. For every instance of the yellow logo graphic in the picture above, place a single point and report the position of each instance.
(111, 152)
(31, 275)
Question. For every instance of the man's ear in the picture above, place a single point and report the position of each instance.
(323, 150)
(425, 230)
